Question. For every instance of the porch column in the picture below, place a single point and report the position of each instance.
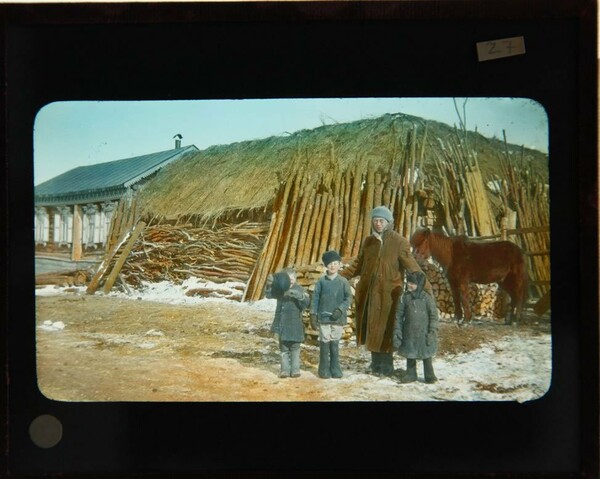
(76, 248)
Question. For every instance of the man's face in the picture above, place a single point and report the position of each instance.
(379, 224)
(333, 267)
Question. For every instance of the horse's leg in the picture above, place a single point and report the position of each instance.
(458, 312)
(464, 295)
(513, 311)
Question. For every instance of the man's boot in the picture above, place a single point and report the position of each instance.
(336, 370)
(375, 367)
(324, 363)
(411, 371)
(285, 365)
(387, 364)
(295, 359)
(428, 371)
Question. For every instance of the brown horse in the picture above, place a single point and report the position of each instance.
(466, 261)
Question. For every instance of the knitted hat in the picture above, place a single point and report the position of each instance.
(382, 212)
(281, 283)
(330, 256)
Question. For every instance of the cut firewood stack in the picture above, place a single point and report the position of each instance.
(175, 253)
(486, 300)
(63, 278)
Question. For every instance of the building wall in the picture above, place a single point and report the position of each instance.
(54, 225)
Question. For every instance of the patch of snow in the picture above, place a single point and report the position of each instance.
(50, 326)
(55, 290)
(154, 332)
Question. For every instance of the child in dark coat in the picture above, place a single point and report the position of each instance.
(415, 331)
(287, 323)
(331, 299)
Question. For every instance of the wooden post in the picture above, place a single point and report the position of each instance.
(76, 249)
(93, 286)
(121, 261)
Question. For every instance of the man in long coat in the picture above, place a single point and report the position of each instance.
(383, 258)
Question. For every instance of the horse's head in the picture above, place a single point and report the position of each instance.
(420, 243)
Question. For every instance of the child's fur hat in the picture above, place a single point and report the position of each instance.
(330, 256)
(416, 277)
(281, 283)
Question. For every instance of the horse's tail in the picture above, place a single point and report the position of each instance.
(522, 275)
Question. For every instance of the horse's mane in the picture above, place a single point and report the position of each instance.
(441, 246)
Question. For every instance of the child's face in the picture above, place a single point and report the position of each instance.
(411, 286)
(333, 267)
(292, 279)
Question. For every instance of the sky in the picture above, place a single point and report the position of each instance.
(78, 133)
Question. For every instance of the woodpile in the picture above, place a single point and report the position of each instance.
(463, 196)
(324, 202)
(63, 278)
(174, 253)
(523, 193)
(486, 300)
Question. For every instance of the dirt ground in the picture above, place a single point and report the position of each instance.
(114, 349)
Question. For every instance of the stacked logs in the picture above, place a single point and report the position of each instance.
(315, 212)
(523, 192)
(486, 300)
(63, 278)
(174, 253)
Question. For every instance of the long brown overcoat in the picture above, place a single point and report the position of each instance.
(381, 265)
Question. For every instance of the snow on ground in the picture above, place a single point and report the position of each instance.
(513, 369)
(167, 292)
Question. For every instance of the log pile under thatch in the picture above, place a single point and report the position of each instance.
(313, 191)
(175, 253)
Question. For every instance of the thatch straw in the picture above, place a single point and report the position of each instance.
(247, 175)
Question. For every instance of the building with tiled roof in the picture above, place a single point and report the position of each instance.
(73, 210)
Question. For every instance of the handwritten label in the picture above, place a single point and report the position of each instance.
(505, 47)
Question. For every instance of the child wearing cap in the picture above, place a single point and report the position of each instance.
(415, 330)
(292, 299)
(330, 302)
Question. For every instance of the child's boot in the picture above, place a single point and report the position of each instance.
(411, 371)
(295, 357)
(336, 370)
(285, 365)
(324, 363)
(428, 371)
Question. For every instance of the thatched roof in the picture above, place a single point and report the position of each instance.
(246, 175)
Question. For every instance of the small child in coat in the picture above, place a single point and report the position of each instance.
(287, 323)
(415, 331)
(330, 302)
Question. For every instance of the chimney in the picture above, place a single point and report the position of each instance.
(178, 138)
